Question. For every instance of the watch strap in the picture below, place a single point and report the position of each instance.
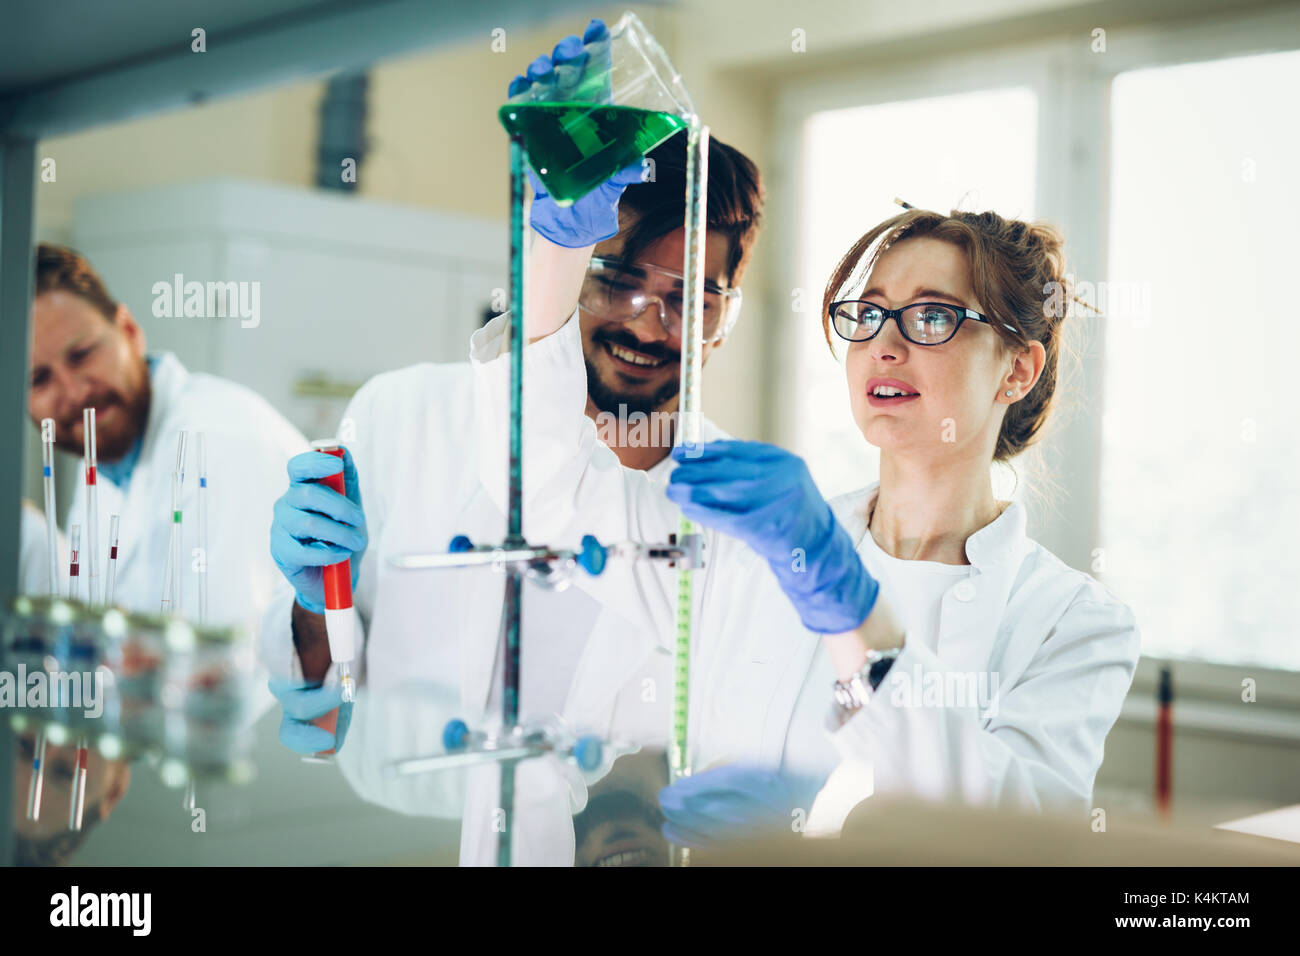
(852, 694)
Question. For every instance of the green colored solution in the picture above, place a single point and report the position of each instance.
(574, 147)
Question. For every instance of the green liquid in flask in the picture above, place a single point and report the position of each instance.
(574, 147)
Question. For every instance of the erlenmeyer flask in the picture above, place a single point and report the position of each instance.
(581, 124)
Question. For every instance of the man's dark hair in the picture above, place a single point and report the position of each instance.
(735, 203)
(63, 269)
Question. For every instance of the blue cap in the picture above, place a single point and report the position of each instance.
(454, 734)
(593, 556)
(588, 751)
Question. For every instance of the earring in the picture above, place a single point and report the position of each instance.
(1008, 393)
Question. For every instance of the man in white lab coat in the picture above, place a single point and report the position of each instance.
(88, 351)
(435, 635)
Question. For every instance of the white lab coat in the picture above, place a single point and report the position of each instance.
(247, 444)
(432, 637)
(1063, 647)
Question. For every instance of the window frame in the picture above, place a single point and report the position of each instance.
(1073, 87)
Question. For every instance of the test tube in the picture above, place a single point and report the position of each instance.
(178, 489)
(171, 570)
(171, 599)
(111, 582)
(77, 803)
(37, 782)
(51, 513)
(92, 506)
(203, 530)
(190, 799)
(74, 563)
(166, 604)
(337, 578)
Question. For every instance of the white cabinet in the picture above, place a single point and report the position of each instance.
(344, 287)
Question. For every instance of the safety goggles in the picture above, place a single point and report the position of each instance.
(923, 323)
(621, 291)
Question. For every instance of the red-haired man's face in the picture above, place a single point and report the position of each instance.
(79, 360)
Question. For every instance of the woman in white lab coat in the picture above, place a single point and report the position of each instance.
(1005, 668)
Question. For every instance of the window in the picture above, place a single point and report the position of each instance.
(1200, 483)
(972, 151)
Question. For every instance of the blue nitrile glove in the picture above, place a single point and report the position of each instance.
(594, 217)
(734, 801)
(302, 703)
(315, 526)
(764, 496)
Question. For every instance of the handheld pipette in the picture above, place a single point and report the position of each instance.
(74, 563)
(92, 505)
(110, 586)
(51, 514)
(337, 579)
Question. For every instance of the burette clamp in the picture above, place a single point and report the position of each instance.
(691, 547)
(681, 551)
(542, 563)
(536, 560)
(551, 568)
(465, 747)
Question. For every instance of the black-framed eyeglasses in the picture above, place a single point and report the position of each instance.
(616, 290)
(922, 323)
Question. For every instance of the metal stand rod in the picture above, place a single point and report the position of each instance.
(514, 500)
(518, 559)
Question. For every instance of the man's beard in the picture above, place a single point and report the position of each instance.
(113, 445)
(630, 815)
(606, 399)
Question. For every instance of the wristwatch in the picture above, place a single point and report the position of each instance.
(853, 693)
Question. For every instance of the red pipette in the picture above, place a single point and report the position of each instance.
(339, 623)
